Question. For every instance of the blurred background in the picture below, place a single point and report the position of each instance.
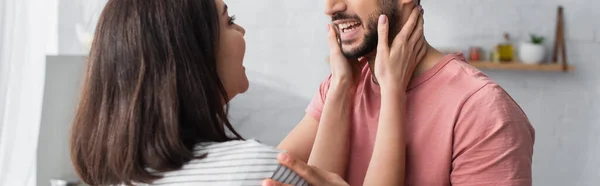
(44, 44)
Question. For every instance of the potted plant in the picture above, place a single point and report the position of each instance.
(532, 52)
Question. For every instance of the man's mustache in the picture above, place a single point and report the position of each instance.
(339, 16)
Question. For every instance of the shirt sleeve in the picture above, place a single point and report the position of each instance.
(493, 141)
(286, 176)
(315, 108)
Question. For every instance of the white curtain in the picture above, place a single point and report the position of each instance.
(24, 29)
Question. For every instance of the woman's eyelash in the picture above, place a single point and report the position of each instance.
(232, 20)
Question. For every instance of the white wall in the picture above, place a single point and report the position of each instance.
(71, 13)
(287, 46)
(285, 58)
(64, 75)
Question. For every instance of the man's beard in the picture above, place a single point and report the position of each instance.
(369, 44)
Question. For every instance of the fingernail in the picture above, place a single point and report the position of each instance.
(267, 183)
(382, 19)
(283, 157)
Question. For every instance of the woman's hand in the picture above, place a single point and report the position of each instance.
(342, 69)
(393, 69)
(313, 175)
(395, 66)
(330, 149)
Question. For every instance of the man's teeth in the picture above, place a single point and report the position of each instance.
(348, 29)
(345, 27)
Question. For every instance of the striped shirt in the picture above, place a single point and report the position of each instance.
(233, 163)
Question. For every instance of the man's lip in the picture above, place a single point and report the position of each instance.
(338, 22)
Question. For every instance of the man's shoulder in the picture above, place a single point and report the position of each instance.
(461, 80)
(461, 74)
(490, 105)
(480, 87)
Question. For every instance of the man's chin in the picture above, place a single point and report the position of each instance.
(356, 53)
(359, 48)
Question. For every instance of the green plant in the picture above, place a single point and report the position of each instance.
(538, 40)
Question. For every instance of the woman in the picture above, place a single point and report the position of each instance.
(153, 108)
(159, 76)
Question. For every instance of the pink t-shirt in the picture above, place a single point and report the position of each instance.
(462, 129)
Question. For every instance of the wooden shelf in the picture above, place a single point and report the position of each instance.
(547, 67)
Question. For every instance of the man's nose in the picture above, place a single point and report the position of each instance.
(334, 6)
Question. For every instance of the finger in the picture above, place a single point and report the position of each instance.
(418, 32)
(270, 182)
(418, 36)
(418, 45)
(300, 168)
(408, 27)
(383, 30)
(422, 50)
(334, 45)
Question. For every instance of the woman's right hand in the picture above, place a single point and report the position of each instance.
(342, 69)
(313, 175)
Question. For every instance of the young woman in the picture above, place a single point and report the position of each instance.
(153, 108)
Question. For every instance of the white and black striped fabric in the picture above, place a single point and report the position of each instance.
(234, 163)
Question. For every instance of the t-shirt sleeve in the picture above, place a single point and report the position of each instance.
(286, 176)
(315, 108)
(267, 155)
(493, 141)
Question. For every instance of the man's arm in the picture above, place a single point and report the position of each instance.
(321, 138)
(300, 140)
(331, 145)
(331, 142)
(493, 141)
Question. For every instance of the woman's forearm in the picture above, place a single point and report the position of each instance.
(387, 164)
(330, 150)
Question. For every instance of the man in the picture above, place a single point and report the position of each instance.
(461, 129)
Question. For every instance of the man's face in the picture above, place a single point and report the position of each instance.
(356, 23)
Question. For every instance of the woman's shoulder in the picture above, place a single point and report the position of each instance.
(233, 163)
(236, 152)
(235, 147)
(245, 162)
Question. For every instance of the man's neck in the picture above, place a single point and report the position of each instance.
(432, 57)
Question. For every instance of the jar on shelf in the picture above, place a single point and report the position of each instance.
(475, 54)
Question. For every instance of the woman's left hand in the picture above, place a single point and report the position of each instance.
(395, 66)
(313, 175)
